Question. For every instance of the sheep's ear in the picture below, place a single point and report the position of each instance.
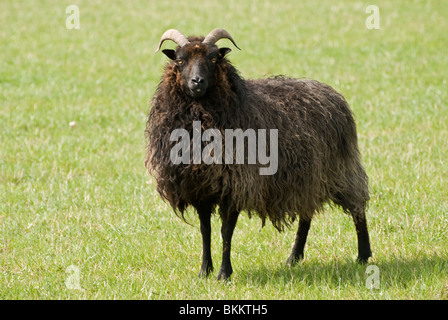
(224, 51)
(170, 53)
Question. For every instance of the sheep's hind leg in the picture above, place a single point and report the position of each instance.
(364, 251)
(228, 225)
(299, 244)
(357, 209)
(205, 212)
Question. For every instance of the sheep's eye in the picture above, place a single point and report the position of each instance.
(179, 61)
(214, 60)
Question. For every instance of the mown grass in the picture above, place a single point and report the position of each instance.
(80, 195)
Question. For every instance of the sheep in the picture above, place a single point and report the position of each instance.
(318, 156)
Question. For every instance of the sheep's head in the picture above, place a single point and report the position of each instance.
(196, 59)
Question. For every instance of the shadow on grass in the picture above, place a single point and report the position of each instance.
(399, 272)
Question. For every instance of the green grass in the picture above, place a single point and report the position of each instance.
(80, 195)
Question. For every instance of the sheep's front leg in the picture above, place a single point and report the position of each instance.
(299, 244)
(228, 225)
(204, 217)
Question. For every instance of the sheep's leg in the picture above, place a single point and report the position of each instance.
(204, 217)
(228, 225)
(356, 207)
(299, 244)
(364, 251)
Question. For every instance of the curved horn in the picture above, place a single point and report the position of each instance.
(216, 35)
(175, 36)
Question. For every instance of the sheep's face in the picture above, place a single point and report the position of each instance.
(197, 63)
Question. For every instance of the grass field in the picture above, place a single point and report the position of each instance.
(78, 197)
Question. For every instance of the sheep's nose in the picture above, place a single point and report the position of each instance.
(197, 85)
(197, 81)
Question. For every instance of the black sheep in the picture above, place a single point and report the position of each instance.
(317, 148)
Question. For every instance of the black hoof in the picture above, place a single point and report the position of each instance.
(205, 272)
(362, 260)
(223, 275)
(293, 260)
